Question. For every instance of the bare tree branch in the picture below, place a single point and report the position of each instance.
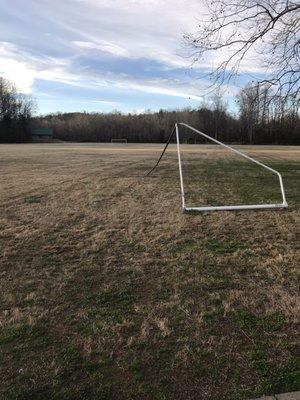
(238, 31)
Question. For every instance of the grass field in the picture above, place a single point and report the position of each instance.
(109, 292)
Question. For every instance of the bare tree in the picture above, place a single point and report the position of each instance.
(266, 30)
(16, 110)
(248, 102)
(219, 108)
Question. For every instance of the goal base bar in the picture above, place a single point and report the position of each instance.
(235, 208)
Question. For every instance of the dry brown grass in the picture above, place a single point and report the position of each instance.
(109, 292)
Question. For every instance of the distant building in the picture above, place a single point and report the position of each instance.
(41, 133)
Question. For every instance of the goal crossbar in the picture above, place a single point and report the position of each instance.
(226, 207)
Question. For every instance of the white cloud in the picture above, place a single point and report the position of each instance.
(102, 45)
(131, 28)
(66, 33)
(18, 73)
(23, 68)
(15, 70)
(96, 81)
(105, 102)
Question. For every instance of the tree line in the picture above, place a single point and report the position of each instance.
(262, 119)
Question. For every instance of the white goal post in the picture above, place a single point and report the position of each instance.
(232, 207)
(119, 141)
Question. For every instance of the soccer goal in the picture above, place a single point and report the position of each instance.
(119, 141)
(225, 207)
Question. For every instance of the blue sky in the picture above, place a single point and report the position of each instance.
(103, 55)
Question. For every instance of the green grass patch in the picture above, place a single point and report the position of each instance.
(34, 199)
(30, 335)
(222, 247)
(252, 323)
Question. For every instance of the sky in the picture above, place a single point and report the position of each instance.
(104, 55)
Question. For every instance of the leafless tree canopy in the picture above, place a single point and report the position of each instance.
(16, 110)
(268, 30)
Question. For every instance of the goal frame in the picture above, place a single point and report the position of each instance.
(284, 203)
(118, 141)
